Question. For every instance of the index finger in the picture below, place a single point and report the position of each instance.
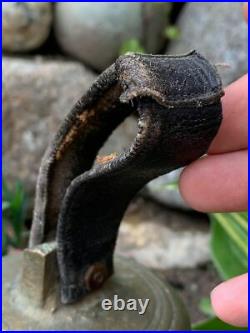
(233, 132)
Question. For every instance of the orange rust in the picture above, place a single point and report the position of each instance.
(96, 276)
(85, 115)
(81, 121)
(67, 140)
(106, 158)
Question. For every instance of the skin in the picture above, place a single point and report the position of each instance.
(218, 183)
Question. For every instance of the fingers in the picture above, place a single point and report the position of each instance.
(230, 301)
(230, 298)
(232, 134)
(216, 183)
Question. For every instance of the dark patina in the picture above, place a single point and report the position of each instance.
(177, 99)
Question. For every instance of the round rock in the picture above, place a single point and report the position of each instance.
(26, 25)
(161, 238)
(164, 190)
(37, 95)
(217, 31)
(95, 32)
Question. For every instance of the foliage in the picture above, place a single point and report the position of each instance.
(229, 248)
(172, 32)
(172, 185)
(229, 243)
(205, 307)
(14, 208)
(131, 45)
(215, 324)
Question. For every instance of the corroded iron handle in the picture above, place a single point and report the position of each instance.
(177, 99)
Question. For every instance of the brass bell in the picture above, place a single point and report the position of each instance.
(31, 297)
(68, 278)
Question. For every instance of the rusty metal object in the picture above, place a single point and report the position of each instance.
(96, 276)
(177, 99)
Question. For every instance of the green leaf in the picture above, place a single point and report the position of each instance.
(5, 205)
(5, 191)
(172, 32)
(174, 185)
(18, 205)
(229, 244)
(241, 219)
(4, 238)
(229, 247)
(206, 307)
(215, 324)
(235, 225)
(14, 206)
(131, 45)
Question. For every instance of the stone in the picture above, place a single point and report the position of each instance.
(162, 239)
(95, 32)
(164, 190)
(219, 32)
(26, 25)
(37, 94)
(121, 138)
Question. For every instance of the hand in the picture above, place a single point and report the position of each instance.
(218, 182)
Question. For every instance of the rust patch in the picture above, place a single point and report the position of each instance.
(67, 140)
(95, 276)
(106, 158)
(88, 118)
(83, 117)
(81, 121)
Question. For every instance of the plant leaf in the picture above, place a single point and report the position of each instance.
(172, 32)
(5, 205)
(5, 191)
(228, 245)
(4, 238)
(215, 324)
(172, 186)
(14, 206)
(18, 206)
(206, 307)
(131, 45)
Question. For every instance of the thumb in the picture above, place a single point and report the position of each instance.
(230, 301)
